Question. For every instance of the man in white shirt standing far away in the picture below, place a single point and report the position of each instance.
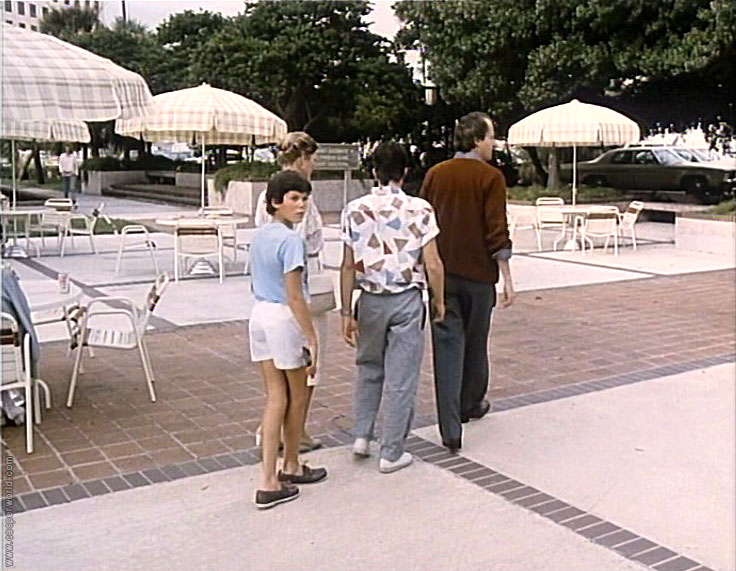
(69, 170)
(389, 241)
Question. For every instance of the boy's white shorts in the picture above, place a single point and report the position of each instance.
(275, 334)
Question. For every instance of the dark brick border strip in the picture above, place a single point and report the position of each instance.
(605, 533)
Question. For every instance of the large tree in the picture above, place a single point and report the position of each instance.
(316, 65)
(69, 23)
(514, 56)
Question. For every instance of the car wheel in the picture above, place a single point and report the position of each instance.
(697, 188)
(595, 180)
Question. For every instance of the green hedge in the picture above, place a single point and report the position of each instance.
(143, 163)
(585, 193)
(244, 170)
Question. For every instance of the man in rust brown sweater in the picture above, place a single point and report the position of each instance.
(469, 198)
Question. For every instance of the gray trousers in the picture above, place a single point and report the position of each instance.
(460, 352)
(390, 349)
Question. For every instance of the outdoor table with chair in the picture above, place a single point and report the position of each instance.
(588, 221)
(204, 237)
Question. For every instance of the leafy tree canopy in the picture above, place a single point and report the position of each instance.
(513, 56)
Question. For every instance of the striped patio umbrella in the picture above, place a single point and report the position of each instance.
(574, 124)
(205, 115)
(46, 78)
(42, 130)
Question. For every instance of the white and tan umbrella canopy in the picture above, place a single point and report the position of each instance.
(574, 124)
(50, 130)
(46, 78)
(207, 116)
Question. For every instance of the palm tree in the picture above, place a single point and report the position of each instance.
(70, 22)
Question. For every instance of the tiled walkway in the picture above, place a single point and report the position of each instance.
(210, 395)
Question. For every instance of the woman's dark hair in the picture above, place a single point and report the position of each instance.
(390, 161)
(471, 128)
(280, 184)
(294, 145)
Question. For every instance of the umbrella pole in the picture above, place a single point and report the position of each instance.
(204, 146)
(12, 166)
(574, 174)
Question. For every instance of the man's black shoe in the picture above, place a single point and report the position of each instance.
(480, 411)
(453, 445)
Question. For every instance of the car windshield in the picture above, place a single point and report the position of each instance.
(692, 155)
(667, 157)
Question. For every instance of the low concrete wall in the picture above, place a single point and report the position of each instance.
(705, 235)
(190, 179)
(102, 180)
(241, 196)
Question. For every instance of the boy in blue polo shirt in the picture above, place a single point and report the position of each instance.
(282, 337)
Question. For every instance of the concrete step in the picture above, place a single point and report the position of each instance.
(161, 193)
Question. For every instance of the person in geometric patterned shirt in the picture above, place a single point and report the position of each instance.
(389, 242)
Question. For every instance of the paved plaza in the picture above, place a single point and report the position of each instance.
(610, 445)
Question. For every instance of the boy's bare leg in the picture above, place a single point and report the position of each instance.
(294, 420)
(273, 419)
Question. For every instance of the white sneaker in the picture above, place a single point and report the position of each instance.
(362, 447)
(386, 466)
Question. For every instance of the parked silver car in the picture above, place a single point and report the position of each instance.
(658, 168)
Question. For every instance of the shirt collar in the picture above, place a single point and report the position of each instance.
(391, 188)
(472, 154)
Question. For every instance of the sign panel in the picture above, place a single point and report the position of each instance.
(337, 157)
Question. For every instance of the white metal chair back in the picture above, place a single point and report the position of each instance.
(16, 368)
(134, 237)
(601, 222)
(629, 218)
(197, 239)
(631, 214)
(549, 215)
(88, 334)
(549, 210)
(228, 232)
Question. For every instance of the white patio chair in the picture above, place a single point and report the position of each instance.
(88, 334)
(53, 220)
(520, 220)
(16, 373)
(135, 237)
(550, 216)
(86, 226)
(628, 220)
(601, 222)
(198, 239)
(229, 232)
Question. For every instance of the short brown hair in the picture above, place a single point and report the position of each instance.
(280, 184)
(471, 128)
(294, 145)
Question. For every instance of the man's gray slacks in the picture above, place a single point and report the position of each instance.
(460, 352)
(390, 349)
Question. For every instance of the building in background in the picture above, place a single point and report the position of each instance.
(28, 14)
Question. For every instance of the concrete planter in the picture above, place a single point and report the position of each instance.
(102, 180)
(706, 235)
(188, 179)
(242, 195)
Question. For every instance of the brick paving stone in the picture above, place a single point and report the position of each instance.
(617, 538)
(581, 522)
(75, 492)
(679, 564)
(653, 556)
(55, 496)
(116, 484)
(96, 488)
(562, 515)
(33, 501)
(136, 479)
(604, 529)
(549, 507)
(635, 547)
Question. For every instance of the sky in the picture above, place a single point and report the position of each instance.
(152, 12)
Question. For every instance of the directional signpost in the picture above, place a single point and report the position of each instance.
(339, 157)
